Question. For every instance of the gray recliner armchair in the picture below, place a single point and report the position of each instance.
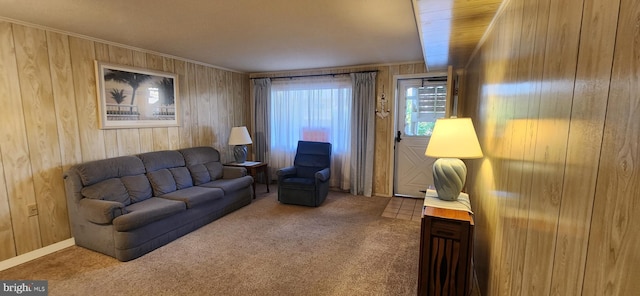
(306, 183)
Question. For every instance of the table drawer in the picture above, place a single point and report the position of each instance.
(446, 229)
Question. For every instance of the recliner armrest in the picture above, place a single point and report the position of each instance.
(323, 175)
(100, 211)
(288, 171)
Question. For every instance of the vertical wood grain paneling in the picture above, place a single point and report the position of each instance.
(64, 99)
(42, 133)
(50, 122)
(495, 71)
(551, 149)
(383, 129)
(221, 103)
(512, 143)
(227, 105)
(204, 93)
(585, 139)
(186, 139)
(522, 133)
(613, 264)
(84, 82)
(194, 96)
(216, 79)
(11, 89)
(533, 200)
(7, 244)
(15, 149)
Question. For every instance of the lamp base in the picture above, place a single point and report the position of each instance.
(240, 153)
(449, 175)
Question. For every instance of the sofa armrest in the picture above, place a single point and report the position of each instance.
(323, 174)
(285, 172)
(100, 211)
(229, 172)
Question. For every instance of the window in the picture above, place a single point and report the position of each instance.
(425, 102)
(312, 109)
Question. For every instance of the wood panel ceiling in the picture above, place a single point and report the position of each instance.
(451, 29)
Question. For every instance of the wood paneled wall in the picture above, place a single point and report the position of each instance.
(554, 95)
(50, 122)
(384, 128)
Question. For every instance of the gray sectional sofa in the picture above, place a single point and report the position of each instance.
(127, 206)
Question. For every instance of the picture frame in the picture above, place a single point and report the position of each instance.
(130, 97)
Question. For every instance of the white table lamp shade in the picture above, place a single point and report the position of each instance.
(239, 136)
(454, 137)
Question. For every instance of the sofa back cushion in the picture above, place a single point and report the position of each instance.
(138, 187)
(166, 171)
(199, 173)
(215, 169)
(157, 160)
(111, 189)
(162, 182)
(203, 163)
(182, 177)
(200, 155)
(97, 171)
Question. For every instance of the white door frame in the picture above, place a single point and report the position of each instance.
(392, 143)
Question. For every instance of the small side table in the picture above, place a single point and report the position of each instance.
(446, 248)
(253, 168)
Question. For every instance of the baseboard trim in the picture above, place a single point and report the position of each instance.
(26, 257)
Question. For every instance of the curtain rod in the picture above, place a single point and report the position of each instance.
(315, 75)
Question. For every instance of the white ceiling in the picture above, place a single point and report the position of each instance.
(241, 35)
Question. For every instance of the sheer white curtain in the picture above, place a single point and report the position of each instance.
(313, 108)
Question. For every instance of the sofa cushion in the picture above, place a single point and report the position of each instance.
(230, 185)
(196, 195)
(200, 155)
(96, 171)
(215, 169)
(138, 187)
(200, 174)
(157, 160)
(182, 177)
(162, 182)
(147, 211)
(110, 189)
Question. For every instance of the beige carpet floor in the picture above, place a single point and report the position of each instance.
(344, 247)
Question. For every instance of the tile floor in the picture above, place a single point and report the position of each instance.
(405, 208)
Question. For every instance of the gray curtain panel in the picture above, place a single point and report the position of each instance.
(362, 132)
(261, 99)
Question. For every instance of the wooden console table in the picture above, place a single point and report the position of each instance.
(253, 168)
(446, 248)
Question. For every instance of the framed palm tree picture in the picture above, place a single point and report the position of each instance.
(131, 97)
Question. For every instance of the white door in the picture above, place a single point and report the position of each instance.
(420, 102)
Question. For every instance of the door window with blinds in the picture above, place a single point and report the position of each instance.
(425, 101)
